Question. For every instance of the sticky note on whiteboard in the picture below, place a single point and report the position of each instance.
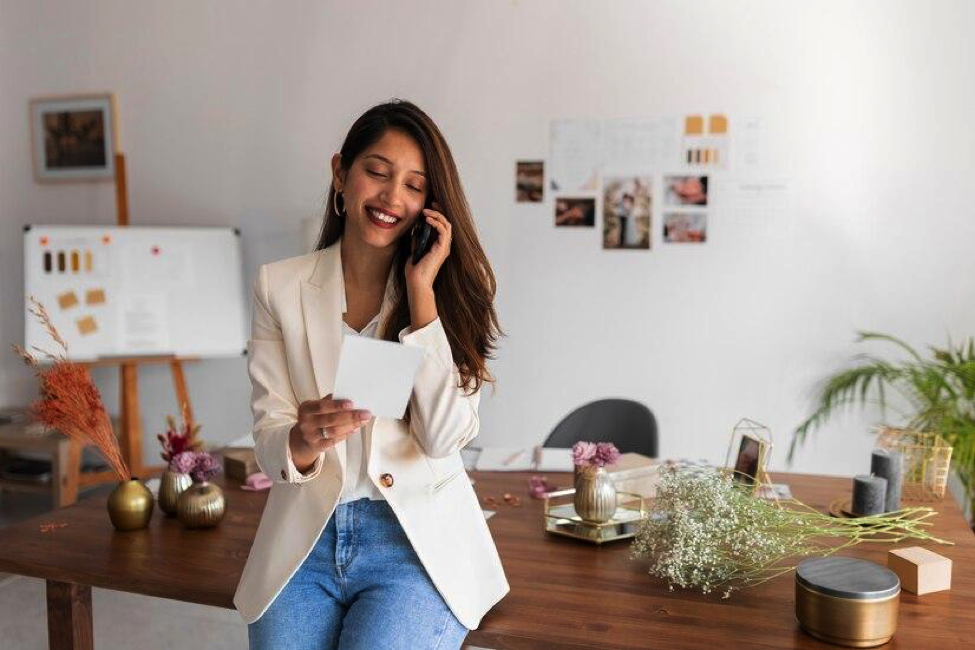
(87, 325)
(67, 300)
(95, 297)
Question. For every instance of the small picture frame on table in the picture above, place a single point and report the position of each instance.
(748, 454)
(74, 137)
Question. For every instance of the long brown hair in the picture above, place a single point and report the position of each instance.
(465, 285)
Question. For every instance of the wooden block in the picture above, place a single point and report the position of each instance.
(636, 473)
(921, 571)
(239, 462)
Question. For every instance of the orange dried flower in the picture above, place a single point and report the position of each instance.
(70, 402)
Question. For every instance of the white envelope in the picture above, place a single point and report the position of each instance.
(377, 375)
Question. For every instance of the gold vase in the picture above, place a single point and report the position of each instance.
(130, 505)
(595, 495)
(171, 485)
(202, 505)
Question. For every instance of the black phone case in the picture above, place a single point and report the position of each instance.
(423, 238)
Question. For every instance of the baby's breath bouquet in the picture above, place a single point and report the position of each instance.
(705, 531)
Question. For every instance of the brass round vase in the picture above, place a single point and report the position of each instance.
(202, 505)
(130, 505)
(171, 485)
(595, 495)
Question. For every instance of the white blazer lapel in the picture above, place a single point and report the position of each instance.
(322, 307)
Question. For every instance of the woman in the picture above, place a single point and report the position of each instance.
(372, 536)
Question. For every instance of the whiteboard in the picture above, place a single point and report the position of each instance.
(116, 291)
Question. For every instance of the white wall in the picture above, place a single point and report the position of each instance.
(230, 111)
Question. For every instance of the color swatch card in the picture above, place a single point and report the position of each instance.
(377, 375)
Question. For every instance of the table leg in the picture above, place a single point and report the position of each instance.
(68, 616)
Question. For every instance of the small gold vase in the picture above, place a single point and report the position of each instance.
(171, 485)
(595, 495)
(202, 505)
(130, 505)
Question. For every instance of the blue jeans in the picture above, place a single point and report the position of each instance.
(362, 587)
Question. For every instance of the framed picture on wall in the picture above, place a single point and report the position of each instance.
(73, 137)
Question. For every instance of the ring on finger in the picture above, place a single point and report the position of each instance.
(325, 435)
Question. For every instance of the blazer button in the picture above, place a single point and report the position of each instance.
(284, 475)
(386, 480)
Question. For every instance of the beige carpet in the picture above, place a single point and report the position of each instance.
(120, 620)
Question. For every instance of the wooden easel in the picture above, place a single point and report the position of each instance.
(130, 440)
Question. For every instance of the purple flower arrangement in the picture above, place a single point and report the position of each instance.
(594, 454)
(198, 464)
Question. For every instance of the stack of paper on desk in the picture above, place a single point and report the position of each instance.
(523, 459)
(505, 459)
(554, 459)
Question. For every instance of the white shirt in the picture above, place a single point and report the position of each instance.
(357, 484)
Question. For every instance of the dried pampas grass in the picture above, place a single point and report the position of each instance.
(70, 402)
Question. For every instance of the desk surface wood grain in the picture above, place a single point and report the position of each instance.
(564, 593)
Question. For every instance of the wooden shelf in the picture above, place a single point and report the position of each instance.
(36, 487)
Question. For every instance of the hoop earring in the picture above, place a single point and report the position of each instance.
(335, 203)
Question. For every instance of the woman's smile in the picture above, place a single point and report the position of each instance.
(382, 219)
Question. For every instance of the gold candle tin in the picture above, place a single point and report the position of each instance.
(847, 601)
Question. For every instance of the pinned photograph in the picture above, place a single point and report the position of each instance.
(73, 137)
(627, 210)
(686, 190)
(575, 212)
(529, 181)
(685, 227)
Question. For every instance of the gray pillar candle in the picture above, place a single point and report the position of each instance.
(889, 465)
(869, 495)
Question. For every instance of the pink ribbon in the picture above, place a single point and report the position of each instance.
(256, 482)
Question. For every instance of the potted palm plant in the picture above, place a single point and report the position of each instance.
(939, 391)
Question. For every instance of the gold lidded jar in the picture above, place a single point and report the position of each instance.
(202, 505)
(130, 505)
(847, 601)
(595, 494)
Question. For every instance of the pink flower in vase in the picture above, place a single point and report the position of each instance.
(583, 453)
(206, 468)
(607, 453)
(594, 454)
(183, 462)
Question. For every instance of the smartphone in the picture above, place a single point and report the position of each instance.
(423, 235)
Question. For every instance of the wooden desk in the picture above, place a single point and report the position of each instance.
(564, 594)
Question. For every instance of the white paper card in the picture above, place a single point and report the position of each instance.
(377, 375)
(554, 459)
(505, 459)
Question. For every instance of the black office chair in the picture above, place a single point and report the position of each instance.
(627, 424)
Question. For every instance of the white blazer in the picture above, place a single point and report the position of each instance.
(292, 357)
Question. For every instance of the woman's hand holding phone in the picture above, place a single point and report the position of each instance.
(420, 276)
(337, 418)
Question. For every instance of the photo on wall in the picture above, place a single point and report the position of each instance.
(627, 210)
(529, 181)
(686, 190)
(685, 227)
(576, 211)
(73, 137)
